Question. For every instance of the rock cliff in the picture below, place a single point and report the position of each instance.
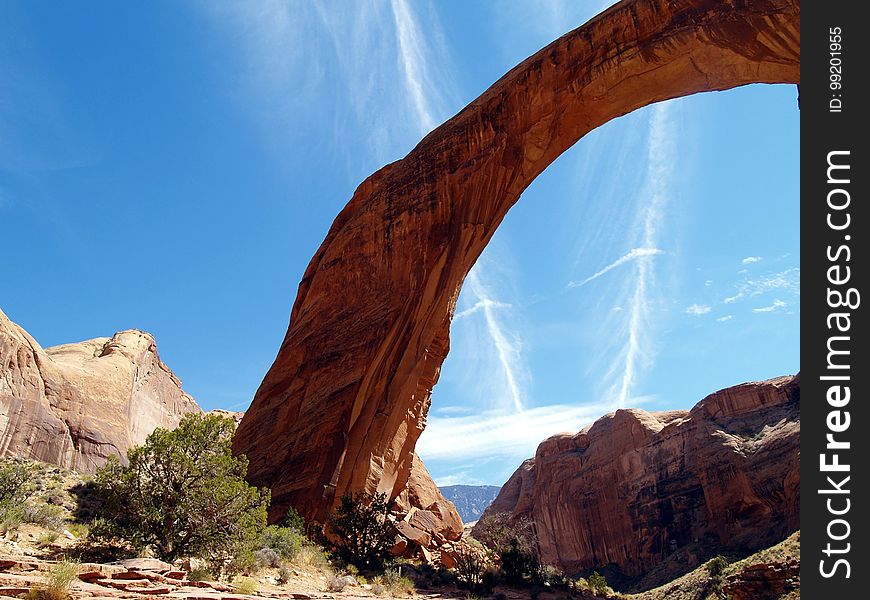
(343, 404)
(636, 487)
(77, 404)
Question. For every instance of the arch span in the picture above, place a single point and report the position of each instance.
(346, 399)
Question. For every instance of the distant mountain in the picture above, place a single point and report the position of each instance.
(470, 500)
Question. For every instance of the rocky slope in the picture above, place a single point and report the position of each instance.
(635, 488)
(75, 405)
(470, 500)
(346, 399)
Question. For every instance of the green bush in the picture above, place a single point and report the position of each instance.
(597, 583)
(520, 565)
(363, 534)
(57, 583)
(183, 493)
(16, 480)
(285, 541)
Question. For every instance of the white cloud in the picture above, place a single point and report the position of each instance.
(633, 254)
(487, 303)
(725, 318)
(508, 347)
(750, 259)
(766, 309)
(513, 435)
(413, 60)
(459, 478)
(788, 281)
(698, 309)
(660, 164)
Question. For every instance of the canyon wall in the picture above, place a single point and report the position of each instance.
(75, 405)
(636, 487)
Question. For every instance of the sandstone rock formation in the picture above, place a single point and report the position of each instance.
(636, 487)
(77, 404)
(346, 399)
(425, 509)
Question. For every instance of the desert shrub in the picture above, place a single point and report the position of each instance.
(336, 583)
(520, 565)
(57, 583)
(716, 570)
(396, 583)
(266, 557)
(363, 533)
(17, 485)
(500, 531)
(184, 494)
(245, 586)
(44, 515)
(312, 556)
(470, 565)
(285, 541)
(598, 584)
(17, 480)
(293, 520)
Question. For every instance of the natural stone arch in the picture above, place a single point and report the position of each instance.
(346, 399)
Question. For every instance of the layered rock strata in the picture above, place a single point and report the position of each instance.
(636, 487)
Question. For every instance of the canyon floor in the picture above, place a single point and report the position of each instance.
(31, 551)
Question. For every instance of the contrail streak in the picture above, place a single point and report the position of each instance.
(660, 165)
(508, 353)
(632, 255)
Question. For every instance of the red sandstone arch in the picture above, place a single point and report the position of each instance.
(346, 399)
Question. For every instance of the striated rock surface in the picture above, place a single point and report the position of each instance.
(636, 487)
(343, 404)
(75, 405)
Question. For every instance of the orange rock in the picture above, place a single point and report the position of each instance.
(634, 487)
(346, 399)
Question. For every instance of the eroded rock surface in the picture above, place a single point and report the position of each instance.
(75, 405)
(346, 399)
(635, 487)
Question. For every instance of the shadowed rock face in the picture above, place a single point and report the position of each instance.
(77, 404)
(346, 399)
(636, 487)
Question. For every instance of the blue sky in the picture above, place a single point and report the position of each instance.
(173, 167)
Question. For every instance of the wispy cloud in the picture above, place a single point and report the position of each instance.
(480, 305)
(413, 60)
(725, 318)
(353, 74)
(499, 434)
(508, 348)
(788, 280)
(459, 478)
(633, 254)
(777, 304)
(750, 259)
(656, 190)
(698, 309)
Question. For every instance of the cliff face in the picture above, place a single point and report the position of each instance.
(636, 487)
(346, 399)
(77, 404)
